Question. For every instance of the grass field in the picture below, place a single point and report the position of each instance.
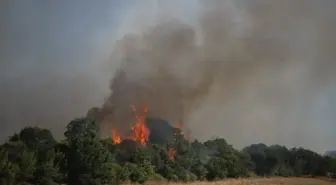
(260, 181)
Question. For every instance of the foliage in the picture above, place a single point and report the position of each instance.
(88, 162)
(33, 156)
(47, 171)
(8, 171)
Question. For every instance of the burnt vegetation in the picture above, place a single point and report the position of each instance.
(33, 156)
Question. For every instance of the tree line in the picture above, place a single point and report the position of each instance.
(33, 156)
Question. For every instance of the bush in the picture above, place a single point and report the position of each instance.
(283, 171)
(138, 175)
(174, 178)
(200, 171)
(157, 177)
(192, 177)
(183, 175)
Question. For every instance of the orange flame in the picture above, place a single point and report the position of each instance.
(115, 137)
(179, 125)
(185, 134)
(171, 153)
(140, 130)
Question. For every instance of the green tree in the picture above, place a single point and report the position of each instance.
(138, 175)
(47, 171)
(217, 168)
(88, 162)
(225, 161)
(8, 170)
(60, 161)
(24, 159)
(37, 139)
(199, 170)
(27, 165)
(168, 172)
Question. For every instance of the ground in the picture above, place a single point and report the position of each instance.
(260, 181)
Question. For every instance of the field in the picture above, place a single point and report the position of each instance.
(260, 181)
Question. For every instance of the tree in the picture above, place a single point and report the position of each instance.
(61, 150)
(168, 172)
(88, 162)
(37, 139)
(8, 170)
(33, 156)
(199, 170)
(27, 166)
(217, 168)
(137, 174)
(22, 159)
(47, 170)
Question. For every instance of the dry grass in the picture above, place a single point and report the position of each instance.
(258, 181)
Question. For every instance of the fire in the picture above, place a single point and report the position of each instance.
(115, 137)
(185, 134)
(140, 130)
(171, 153)
(179, 125)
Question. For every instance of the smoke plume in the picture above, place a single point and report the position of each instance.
(248, 71)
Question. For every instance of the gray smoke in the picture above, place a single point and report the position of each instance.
(51, 61)
(249, 70)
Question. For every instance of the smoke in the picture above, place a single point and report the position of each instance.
(248, 71)
(52, 61)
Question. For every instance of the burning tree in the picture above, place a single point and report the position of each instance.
(140, 130)
(115, 136)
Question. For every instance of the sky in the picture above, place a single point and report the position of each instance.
(56, 54)
(55, 64)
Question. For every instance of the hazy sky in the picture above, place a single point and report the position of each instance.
(54, 57)
(54, 66)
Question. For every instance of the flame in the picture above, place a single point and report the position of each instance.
(115, 136)
(186, 135)
(140, 130)
(180, 125)
(172, 153)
